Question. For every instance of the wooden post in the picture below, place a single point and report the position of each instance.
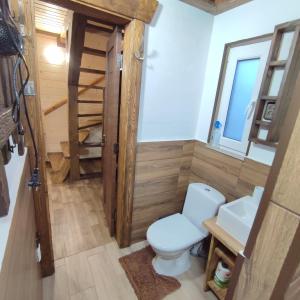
(76, 43)
(130, 98)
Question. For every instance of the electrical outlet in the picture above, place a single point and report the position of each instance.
(29, 89)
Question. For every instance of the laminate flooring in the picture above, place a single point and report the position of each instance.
(77, 217)
(86, 257)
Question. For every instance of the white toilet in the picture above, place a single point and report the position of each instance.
(173, 236)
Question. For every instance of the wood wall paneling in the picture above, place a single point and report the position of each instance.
(259, 273)
(20, 276)
(165, 169)
(286, 191)
(162, 176)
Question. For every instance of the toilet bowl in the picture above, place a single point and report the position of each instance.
(172, 237)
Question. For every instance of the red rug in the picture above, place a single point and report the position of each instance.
(147, 284)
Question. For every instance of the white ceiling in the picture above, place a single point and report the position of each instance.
(49, 17)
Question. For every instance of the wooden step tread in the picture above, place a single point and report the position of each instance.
(90, 175)
(60, 175)
(65, 146)
(89, 115)
(263, 142)
(55, 159)
(93, 27)
(89, 101)
(93, 51)
(89, 124)
(90, 145)
(263, 123)
(278, 63)
(83, 135)
(92, 71)
(95, 87)
(271, 98)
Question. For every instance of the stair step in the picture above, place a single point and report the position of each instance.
(95, 87)
(271, 98)
(89, 115)
(263, 123)
(93, 51)
(93, 27)
(60, 175)
(88, 125)
(278, 63)
(91, 175)
(65, 146)
(89, 101)
(91, 145)
(260, 141)
(55, 159)
(92, 71)
(83, 135)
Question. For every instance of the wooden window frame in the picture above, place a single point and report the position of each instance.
(226, 52)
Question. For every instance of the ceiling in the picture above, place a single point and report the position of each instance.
(49, 17)
(215, 6)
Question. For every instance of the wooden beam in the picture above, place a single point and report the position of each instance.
(130, 95)
(118, 12)
(76, 43)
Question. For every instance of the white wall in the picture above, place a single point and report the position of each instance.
(176, 50)
(14, 171)
(252, 19)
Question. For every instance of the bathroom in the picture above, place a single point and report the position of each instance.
(175, 128)
(206, 159)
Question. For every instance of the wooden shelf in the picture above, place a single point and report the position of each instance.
(220, 292)
(221, 235)
(278, 63)
(263, 123)
(263, 142)
(269, 98)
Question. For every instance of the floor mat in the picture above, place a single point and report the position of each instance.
(147, 284)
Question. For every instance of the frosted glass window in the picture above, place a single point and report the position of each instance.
(242, 89)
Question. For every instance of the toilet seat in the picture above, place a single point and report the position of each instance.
(173, 233)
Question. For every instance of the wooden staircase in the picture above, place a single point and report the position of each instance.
(75, 152)
(81, 121)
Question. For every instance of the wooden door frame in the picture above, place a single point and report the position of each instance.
(133, 20)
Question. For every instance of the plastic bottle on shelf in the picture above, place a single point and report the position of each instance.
(216, 134)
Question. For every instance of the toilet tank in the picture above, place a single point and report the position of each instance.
(202, 202)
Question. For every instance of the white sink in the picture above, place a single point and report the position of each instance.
(237, 217)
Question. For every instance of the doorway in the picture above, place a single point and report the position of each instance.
(82, 212)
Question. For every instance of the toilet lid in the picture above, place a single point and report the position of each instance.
(173, 233)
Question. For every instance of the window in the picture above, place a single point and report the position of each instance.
(241, 80)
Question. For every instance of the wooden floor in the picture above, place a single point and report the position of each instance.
(86, 258)
(77, 217)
